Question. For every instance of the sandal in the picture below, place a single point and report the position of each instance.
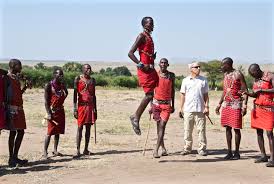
(261, 160)
(87, 153)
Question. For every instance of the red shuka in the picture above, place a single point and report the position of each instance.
(262, 116)
(147, 79)
(163, 91)
(17, 119)
(57, 98)
(86, 91)
(231, 111)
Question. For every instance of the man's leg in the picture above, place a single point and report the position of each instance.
(164, 152)
(17, 145)
(236, 155)
(87, 138)
(201, 128)
(160, 126)
(46, 145)
(228, 141)
(56, 142)
(271, 147)
(11, 148)
(260, 139)
(188, 129)
(136, 117)
(78, 140)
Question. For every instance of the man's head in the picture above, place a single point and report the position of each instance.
(195, 68)
(163, 64)
(255, 71)
(86, 69)
(147, 23)
(58, 75)
(15, 66)
(227, 64)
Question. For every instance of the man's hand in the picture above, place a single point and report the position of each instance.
(181, 114)
(172, 110)
(49, 117)
(244, 110)
(217, 110)
(95, 113)
(75, 114)
(206, 111)
(154, 55)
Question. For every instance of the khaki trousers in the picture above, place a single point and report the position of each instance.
(191, 119)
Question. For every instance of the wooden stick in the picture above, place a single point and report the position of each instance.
(209, 119)
(145, 145)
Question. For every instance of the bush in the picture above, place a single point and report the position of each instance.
(72, 67)
(123, 81)
(101, 80)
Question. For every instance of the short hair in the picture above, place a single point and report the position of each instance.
(14, 62)
(56, 69)
(253, 65)
(145, 19)
(228, 60)
(164, 59)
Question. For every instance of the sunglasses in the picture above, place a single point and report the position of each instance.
(196, 67)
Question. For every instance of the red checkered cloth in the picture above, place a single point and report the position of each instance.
(231, 117)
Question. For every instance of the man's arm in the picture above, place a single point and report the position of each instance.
(47, 90)
(94, 97)
(173, 92)
(217, 110)
(139, 40)
(272, 82)
(243, 88)
(206, 101)
(206, 98)
(75, 95)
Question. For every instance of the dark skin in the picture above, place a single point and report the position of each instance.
(257, 74)
(86, 71)
(58, 78)
(161, 125)
(148, 27)
(228, 69)
(16, 137)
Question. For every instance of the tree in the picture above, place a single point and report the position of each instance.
(40, 66)
(213, 70)
(72, 67)
(121, 70)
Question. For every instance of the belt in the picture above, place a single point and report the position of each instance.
(84, 103)
(54, 109)
(155, 101)
(265, 107)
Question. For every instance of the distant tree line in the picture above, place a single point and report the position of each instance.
(117, 76)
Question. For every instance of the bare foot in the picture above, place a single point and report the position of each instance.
(135, 124)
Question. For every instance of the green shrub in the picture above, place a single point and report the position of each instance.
(123, 81)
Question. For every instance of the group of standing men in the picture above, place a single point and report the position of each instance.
(194, 102)
(12, 115)
(159, 92)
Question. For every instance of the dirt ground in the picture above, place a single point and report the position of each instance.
(118, 153)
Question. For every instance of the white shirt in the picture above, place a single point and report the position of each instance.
(194, 90)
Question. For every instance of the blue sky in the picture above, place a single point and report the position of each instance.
(105, 30)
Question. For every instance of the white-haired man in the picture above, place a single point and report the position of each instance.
(194, 107)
